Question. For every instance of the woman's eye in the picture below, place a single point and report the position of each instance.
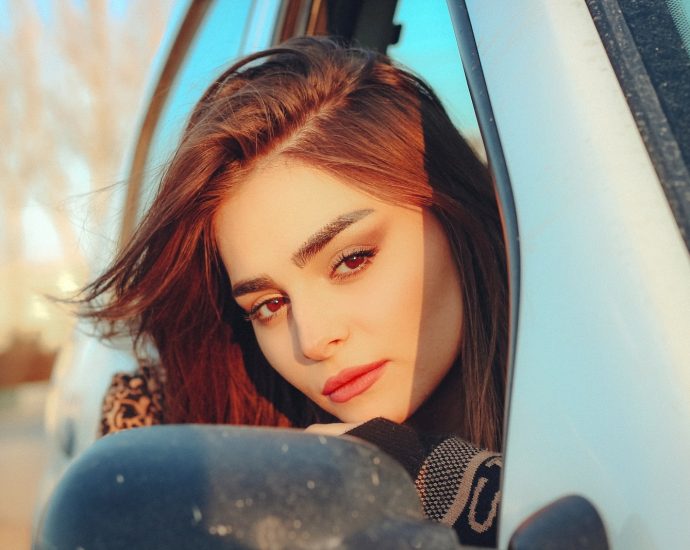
(268, 309)
(353, 262)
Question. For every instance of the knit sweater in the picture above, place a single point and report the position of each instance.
(458, 483)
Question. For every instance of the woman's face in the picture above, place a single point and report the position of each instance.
(354, 301)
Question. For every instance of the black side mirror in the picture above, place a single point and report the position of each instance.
(570, 523)
(231, 487)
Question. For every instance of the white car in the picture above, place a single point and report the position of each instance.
(584, 112)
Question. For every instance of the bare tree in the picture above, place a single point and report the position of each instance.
(71, 79)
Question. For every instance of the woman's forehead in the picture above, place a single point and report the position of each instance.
(286, 198)
(299, 184)
(282, 204)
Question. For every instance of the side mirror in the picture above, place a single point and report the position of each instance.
(569, 523)
(193, 486)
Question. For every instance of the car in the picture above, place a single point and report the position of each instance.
(584, 112)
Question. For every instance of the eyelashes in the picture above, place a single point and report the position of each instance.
(267, 309)
(348, 264)
(351, 262)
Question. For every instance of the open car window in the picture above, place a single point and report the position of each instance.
(428, 47)
(224, 31)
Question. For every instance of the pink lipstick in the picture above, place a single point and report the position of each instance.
(350, 382)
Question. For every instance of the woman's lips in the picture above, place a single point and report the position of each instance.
(350, 382)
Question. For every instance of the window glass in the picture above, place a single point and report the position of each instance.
(680, 12)
(230, 29)
(661, 35)
(428, 47)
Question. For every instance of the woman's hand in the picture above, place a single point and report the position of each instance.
(337, 428)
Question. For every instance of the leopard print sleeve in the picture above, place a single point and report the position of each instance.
(132, 400)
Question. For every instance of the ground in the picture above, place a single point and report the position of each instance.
(22, 460)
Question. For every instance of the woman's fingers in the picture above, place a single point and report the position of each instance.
(337, 428)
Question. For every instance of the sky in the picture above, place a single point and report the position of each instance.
(34, 257)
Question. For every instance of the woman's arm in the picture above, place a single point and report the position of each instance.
(132, 401)
(458, 483)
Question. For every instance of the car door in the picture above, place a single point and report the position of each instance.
(583, 107)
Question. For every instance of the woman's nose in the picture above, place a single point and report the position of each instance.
(319, 332)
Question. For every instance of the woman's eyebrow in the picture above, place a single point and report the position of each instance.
(324, 235)
(310, 247)
(248, 286)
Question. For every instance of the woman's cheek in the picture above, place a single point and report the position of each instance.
(394, 296)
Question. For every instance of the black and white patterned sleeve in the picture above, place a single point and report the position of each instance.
(458, 483)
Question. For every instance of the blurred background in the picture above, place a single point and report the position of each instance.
(72, 84)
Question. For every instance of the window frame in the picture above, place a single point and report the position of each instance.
(646, 54)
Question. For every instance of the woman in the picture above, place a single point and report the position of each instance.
(324, 252)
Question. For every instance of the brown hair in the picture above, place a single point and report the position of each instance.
(352, 113)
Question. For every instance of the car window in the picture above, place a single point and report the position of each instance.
(229, 29)
(428, 47)
(649, 47)
(680, 12)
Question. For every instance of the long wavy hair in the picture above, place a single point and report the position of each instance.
(352, 113)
